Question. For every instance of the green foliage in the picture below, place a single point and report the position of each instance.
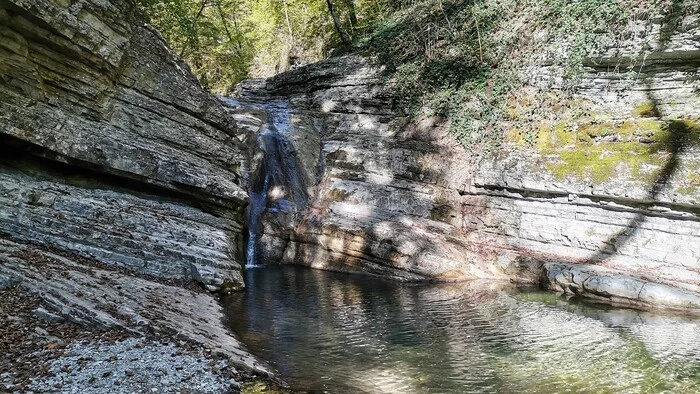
(225, 41)
(462, 59)
(586, 22)
(646, 110)
(209, 35)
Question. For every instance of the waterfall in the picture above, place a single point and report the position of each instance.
(256, 208)
(276, 183)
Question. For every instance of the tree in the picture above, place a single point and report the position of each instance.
(225, 41)
(352, 14)
(344, 36)
(207, 34)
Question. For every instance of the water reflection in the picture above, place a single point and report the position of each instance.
(339, 333)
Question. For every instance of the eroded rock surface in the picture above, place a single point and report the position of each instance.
(102, 298)
(121, 204)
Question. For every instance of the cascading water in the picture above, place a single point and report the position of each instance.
(276, 185)
(256, 207)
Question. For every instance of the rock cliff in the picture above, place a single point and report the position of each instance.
(110, 147)
(120, 185)
(602, 203)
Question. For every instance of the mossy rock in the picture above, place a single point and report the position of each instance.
(646, 110)
(600, 150)
(262, 387)
(339, 195)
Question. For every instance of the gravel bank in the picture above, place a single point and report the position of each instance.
(135, 365)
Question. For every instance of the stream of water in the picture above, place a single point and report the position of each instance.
(278, 171)
(330, 332)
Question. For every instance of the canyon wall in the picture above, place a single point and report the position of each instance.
(599, 198)
(111, 149)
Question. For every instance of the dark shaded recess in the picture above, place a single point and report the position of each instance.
(43, 163)
(279, 167)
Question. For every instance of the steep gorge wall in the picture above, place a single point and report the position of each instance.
(111, 149)
(603, 202)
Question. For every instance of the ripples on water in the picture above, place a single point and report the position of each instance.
(348, 334)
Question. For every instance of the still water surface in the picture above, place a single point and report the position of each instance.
(352, 334)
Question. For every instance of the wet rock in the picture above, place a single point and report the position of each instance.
(7, 281)
(604, 284)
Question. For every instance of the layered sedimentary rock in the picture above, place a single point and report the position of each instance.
(379, 188)
(100, 296)
(111, 148)
(602, 202)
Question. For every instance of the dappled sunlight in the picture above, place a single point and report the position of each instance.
(328, 106)
(403, 198)
(353, 210)
(386, 379)
(382, 178)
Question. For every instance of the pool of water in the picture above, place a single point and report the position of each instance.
(353, 334)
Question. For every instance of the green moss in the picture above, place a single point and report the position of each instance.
(600, 150)
(338, 195)
(33, 198)
(560, 135)
(601, 162)
(691, 181)
(646, 110)
(262, 387)
(587, 153)
(687, 190)
(596, 130)
(653, 129)
(516, 136)
(683, 126)
(623, 130)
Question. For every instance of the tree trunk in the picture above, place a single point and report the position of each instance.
(289, 24)
(344, 36)
(194, 28)
(353, 14)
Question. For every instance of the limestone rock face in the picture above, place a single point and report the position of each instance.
(150, 179)
(381, 191)
(608, 195)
